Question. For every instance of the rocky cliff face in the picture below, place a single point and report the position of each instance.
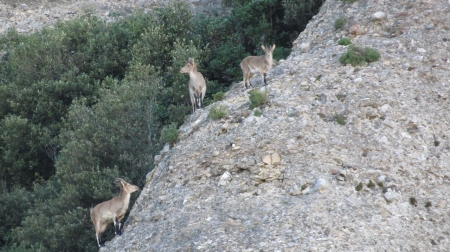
(28, 16)
(294, 179)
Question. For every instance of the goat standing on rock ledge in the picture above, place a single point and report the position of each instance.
(197, 84)
(257, 64)
(112, 210)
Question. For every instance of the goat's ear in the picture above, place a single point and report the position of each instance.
(191, 60)
(119, 181)
(262, 46)
(273, 47)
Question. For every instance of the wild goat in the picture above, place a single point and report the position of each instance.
(197, 85)
(112, 210)
(257, 64)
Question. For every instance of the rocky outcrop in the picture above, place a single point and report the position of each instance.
(362, 153)
(29, 16)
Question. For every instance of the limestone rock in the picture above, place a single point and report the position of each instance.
(272, 159)
(354, 28)
(320, 185)
(225, 179)
(377, 16)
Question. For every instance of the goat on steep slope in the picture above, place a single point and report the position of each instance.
(257, 64)
(112, 210)
(197, 84)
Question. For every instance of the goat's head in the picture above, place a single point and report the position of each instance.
(127, 187)
(189, 66)
(268, 50)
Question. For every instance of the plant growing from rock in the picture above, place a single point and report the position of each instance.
(344, 41)
(257, 112)
(340, 22)
(257, 98)
(217, 112)
(371, 185)
(169, 133)
(357, 56)
(218, 96)
(358, 187)
(413, 201)
(341, 119)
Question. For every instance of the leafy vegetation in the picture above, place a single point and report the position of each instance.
(344, 41)
(257, 98)
(357, 56)
(218, 96)
(89, 101)
(169, 133)
(257, 112)
(340, 22)
(217, 112)
(340, 119)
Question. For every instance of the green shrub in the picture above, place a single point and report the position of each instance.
(176, 114)
(371, 184)
(217, 112)
(340, 22)
(257, 98)
(169, 133)
(357, 56)
(359, 186)
(340, 119)
(218, 96)
(281, 53)
(257, 112)
(372, 55)
(344, 41)
(20, 201)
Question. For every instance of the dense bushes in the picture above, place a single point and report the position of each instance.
(86, 102)
(357, 56)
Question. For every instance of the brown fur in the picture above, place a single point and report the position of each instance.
(197, 84)
(257, 64)
(112, 210)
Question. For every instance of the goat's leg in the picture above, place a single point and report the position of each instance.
(249, 76)
(199, 100)
(264, 79)
(195, 102)
(117, 226)
(99, 233)
(99, 241)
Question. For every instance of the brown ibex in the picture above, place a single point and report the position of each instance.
(257, 64)
(197, 84)
(112, 210)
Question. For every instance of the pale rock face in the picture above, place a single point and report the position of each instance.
(378, 16)
(396, 135)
